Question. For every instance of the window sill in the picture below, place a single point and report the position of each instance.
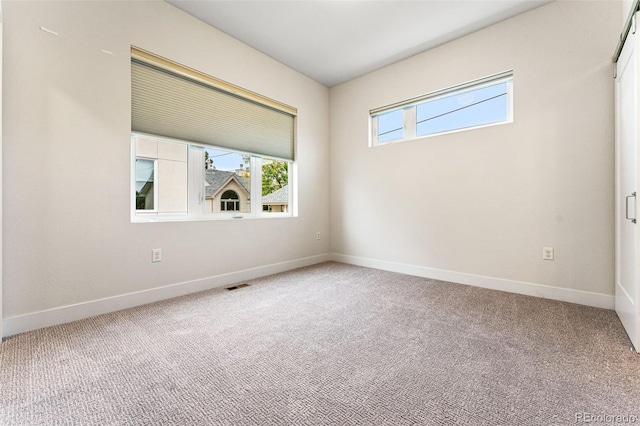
(226, 217)
(432, 135)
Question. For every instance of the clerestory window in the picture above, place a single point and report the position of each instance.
(484, 102)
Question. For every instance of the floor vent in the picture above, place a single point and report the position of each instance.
(235, 287)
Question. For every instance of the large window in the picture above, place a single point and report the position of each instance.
(484, 102)
(180, 180)
(204, 148)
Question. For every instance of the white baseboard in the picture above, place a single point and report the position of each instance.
(64, 314)
(597, 300)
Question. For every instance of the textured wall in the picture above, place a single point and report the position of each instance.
(485, 202)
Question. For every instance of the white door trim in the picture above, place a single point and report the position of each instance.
(1, 256)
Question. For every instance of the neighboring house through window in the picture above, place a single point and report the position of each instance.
(276, 202)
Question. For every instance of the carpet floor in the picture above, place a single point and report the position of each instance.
(330, 344)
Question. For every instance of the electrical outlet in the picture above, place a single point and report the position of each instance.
(156, 255)
(318, 235)
(547, 253)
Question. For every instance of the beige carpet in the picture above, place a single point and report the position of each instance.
(327, 345)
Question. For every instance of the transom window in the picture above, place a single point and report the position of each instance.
(479, 103)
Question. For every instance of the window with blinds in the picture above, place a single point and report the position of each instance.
(198, 138)
(171, 100)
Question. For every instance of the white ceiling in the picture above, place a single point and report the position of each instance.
(336, 41)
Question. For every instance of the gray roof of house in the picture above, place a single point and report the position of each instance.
(218, 178)
(279, 196)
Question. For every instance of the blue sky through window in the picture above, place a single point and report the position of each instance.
(458, 111)
(390, 126)
(226, 160)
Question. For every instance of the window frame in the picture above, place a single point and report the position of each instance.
(195, 187)
(409, 108)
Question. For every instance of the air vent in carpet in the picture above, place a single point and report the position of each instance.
(235, 287)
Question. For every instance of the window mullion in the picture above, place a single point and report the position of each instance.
(195, 182)
(155, 185)
(256, 186)
(510, 100)
(374, 130)
(409, 123)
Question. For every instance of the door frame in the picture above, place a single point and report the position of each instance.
(1, 221)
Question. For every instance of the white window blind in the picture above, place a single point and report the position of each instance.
(171, 100)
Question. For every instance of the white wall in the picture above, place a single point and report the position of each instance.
(481, 204)
(67, 231)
